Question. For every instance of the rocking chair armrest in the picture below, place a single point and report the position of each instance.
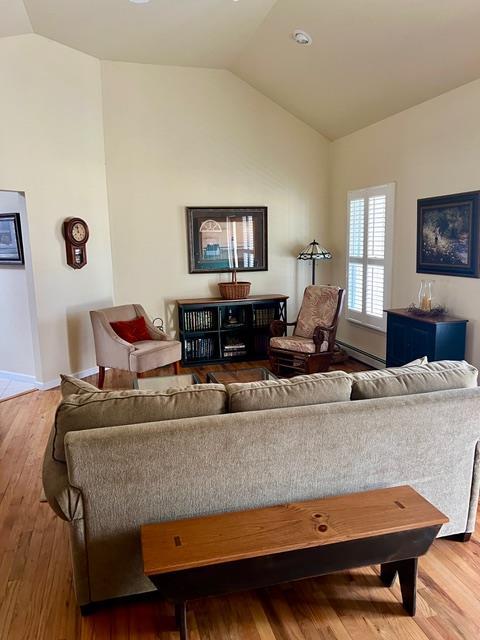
(278, 327)
(320, 331)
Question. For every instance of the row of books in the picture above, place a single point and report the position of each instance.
(199, 349)
(201, 320)
(262, 317)
(205, 319)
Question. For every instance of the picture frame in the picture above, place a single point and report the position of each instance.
(448, 235)
(11, 245)
(223, 239)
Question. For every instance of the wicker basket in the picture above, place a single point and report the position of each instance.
(234, 290)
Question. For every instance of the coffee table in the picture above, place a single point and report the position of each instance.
(162, 383)
(220, 554)
(254, 374)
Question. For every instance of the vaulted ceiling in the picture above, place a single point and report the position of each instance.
(369, 58)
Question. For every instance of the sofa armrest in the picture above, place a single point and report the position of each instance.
(472, 512)
(64, 499)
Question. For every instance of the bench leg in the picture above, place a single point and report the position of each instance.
(181, 619)
(407, 572)
(388, 573)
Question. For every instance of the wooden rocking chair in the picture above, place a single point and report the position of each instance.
(310, 348)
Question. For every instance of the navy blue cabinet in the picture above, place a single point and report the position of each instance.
(410, 337)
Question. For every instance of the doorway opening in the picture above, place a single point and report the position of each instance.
(18, 321)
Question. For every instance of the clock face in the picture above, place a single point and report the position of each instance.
(79, 232)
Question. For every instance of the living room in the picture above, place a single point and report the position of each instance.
(123, 115)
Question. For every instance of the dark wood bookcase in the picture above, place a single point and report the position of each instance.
(217, 330)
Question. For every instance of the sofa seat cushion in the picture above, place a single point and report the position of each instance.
(150, 354)
(317, 388)
(114, 408)
(296, 343)
(407, 380)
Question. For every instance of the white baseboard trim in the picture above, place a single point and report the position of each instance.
(18, 377)
(51, 384)
(363, 356)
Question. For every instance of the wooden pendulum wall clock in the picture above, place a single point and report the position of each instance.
(75, 231)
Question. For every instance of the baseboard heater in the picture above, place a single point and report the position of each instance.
(363, 356)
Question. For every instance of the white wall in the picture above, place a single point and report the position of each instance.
(181, 136)
(52, 149)
(16, 342)
(177, 136)
(428, 150)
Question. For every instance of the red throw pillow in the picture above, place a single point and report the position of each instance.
(131, 330)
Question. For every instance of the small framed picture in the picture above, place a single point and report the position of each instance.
(11, 247)
(227, 238)
(448, 235)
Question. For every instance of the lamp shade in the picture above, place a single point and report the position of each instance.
(314, 251)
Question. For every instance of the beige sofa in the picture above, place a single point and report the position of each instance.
(116, 460)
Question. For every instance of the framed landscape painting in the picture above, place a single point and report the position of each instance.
(448, 235)
(225, 238)
(11, 248)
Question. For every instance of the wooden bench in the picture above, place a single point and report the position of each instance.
(213, 555)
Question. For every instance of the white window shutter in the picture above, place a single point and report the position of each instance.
(370, 220)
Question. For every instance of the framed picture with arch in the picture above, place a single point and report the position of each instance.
(225, 238)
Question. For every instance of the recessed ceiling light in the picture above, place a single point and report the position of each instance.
(302, 38)
(139, 1)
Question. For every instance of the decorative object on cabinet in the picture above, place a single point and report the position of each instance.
(217, 330)
(224, 238)
(448, 235)
(437, 310)
(410, 337)
(311, 347)
(314, 252)
(76, 234)
(425, 295)
(11, 246)
(234, 290)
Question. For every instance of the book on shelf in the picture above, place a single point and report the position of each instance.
(234, 347)
(263, 316)
(199, 320)
(199, 348)
(234, 354)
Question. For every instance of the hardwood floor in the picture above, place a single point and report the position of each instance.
(37, 600)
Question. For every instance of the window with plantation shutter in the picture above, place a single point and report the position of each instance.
(369, 259)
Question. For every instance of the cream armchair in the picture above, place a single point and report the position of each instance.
(114, 352)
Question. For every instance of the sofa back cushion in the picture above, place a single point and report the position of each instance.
(401, 381)
(70, 385)
(299, 391)
(114, 408)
